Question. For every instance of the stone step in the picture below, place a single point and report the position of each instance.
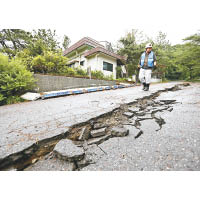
(98, 126)
(98, 132)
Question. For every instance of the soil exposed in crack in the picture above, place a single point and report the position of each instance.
(98, 130)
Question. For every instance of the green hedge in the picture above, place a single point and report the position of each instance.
(15, 80)
(97, 74)
(50, 62)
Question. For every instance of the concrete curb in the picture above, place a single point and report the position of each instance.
(51, 94)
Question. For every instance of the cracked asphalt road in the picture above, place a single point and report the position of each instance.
(175, 147)
(24, 124)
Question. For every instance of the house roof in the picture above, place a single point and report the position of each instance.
(83, 41)
(97, 47)
(104, 51)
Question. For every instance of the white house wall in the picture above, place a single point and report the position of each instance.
(96, 63)
(93, 63)
(109, 60)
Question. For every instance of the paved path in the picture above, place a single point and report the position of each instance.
(23, 125)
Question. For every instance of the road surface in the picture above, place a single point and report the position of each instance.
(166, 137)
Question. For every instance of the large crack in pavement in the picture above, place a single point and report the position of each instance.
(80, 145)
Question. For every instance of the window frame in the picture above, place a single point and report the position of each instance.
(83, 61)
(107, 66)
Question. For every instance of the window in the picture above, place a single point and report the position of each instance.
(107, 66)
(82, 63)
(71, 65)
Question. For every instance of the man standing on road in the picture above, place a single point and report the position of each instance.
(146, 64)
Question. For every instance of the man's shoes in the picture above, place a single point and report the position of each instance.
(144, 86)
(147, 87)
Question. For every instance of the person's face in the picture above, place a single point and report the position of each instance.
(148, 50)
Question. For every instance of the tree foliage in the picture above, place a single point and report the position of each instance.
(185, 59)
(43, 40)
(49, 62)
(15, 79)
(66, 42)
(130, 47)
(14, 40)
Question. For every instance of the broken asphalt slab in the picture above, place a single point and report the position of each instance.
(66, 150)
(25, 126)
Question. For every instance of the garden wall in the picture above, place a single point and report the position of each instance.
(46, 83)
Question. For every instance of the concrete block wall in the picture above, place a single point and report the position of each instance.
(45, 83)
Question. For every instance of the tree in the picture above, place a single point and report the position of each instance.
(14, 40)
(66, 42)
(163, 50)
(43, 40)
(43, 43)
(174, 70)
(194, 39)
(161, 40)
(185, 59)
(131, 46)
(191, 55)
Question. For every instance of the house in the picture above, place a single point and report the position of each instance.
(91, 54)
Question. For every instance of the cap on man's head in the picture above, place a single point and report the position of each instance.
(149, 45)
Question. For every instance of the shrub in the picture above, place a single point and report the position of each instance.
(68, 71)
(118, 71)
(2, 97)
(71, 71)
(81, 72)
(39, 65)
(122, 79)
(49, 62)
(97, 74)
(15, 79)
(26, 57)
(110, 78)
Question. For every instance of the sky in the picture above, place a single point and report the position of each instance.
(104, 19)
